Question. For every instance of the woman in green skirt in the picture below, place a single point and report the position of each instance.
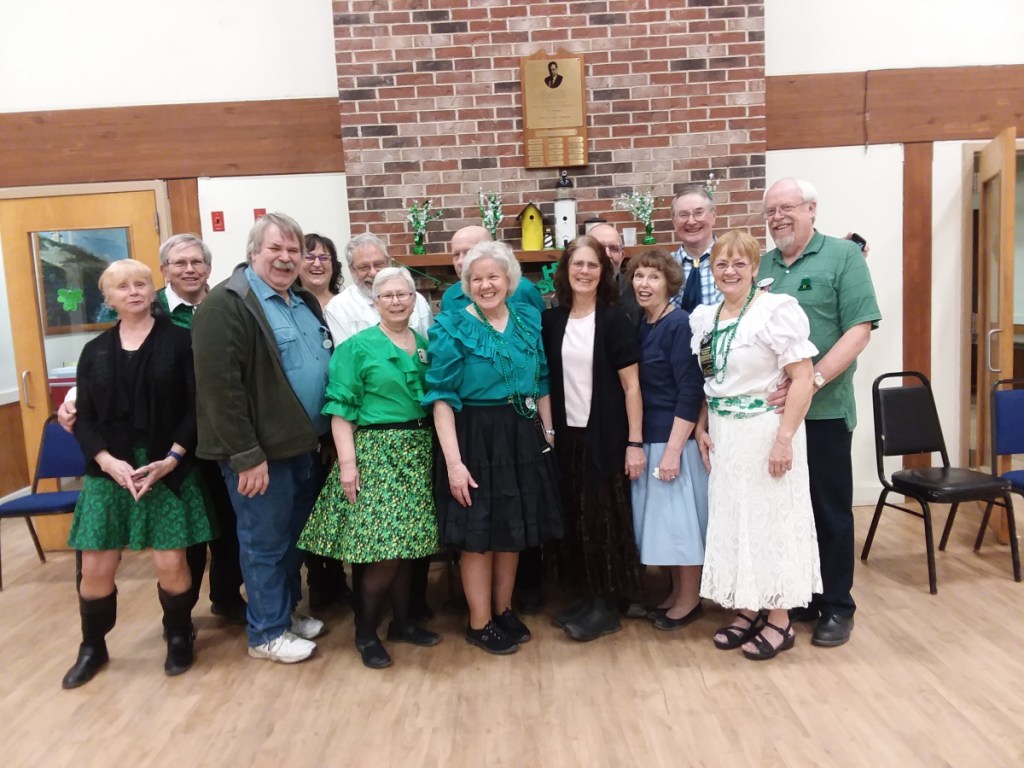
(137, 428)
(377, 510)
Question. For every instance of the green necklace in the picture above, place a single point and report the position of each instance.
(524, 405)
(729, 334)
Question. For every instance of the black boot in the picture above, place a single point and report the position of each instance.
(599, 620)
(178, 629)
(98, 618)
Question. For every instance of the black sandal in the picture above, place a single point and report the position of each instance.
(736, 634)
(765, 650)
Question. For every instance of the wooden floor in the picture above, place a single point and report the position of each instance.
(925, 681)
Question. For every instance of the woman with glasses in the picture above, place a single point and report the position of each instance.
(320, 271)
(762, 552)
(497, 488)
(377, 511)
(597, 414)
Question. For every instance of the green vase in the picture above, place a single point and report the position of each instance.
(649, 235)
(418, 247)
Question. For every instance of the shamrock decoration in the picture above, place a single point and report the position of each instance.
(547, 283)
(69, 298)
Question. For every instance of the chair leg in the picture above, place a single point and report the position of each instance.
(35, 539)
(984, 526)
(929, 543)
(1011, 525)
(874, 524)
(949, 527)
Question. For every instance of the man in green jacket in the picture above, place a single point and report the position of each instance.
(261, 354)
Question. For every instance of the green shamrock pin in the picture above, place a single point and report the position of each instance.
(69, 298)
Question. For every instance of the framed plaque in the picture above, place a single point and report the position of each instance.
(554, 109)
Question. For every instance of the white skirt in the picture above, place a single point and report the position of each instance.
(762, 551)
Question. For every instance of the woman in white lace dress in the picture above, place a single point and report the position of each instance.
(762, 552)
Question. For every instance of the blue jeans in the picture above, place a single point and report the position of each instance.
(268, 529)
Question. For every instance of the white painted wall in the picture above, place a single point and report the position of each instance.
(808, 36)
(318, 202)
(861, 191)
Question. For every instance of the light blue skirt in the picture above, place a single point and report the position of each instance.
(670, 519)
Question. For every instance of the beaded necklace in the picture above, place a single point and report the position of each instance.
(525, 406)
(729, 334)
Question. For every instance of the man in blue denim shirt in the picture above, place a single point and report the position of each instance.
(261, 354)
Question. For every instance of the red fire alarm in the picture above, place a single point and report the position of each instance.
(258, 213)
(217, 217)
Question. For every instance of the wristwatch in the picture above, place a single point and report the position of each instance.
(819, 380)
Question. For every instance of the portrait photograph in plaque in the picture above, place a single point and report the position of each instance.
(554, 109)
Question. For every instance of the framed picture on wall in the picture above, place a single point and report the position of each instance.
(554, 109)
(68, 267)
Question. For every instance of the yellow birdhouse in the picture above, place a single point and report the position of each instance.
(532, 223)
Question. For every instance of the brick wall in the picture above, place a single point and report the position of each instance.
(431, 106)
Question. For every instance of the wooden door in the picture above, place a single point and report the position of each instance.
(42, 344)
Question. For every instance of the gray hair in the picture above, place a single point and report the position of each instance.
(361, 241)
(184, 240)
(807, 190)
(693, 189)
(501, 253)
(286, 224)
(390, 273)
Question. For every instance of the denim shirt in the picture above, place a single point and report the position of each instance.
(300, 339)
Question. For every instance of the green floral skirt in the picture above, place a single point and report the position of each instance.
(107, 517)
(394, 515)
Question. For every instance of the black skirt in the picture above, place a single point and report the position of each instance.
(598, 552)
(517, 504)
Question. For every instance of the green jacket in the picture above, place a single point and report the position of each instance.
(247, 411)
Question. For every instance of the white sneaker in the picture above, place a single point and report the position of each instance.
(284, 649)
(306, 627)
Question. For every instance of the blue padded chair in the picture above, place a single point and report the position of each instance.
(906, 423)
(59, 456)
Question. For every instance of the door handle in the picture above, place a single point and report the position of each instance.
(24, 388)
(988, 362)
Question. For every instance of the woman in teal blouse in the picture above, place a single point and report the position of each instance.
(377, 511)
(497, 490)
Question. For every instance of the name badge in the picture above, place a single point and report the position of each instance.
(422, 354)
(706, 357)
(765, 284)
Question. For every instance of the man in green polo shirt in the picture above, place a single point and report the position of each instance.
(830, 279)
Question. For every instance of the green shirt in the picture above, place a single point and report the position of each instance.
(182, 314)
(374, 382)
(832, 283)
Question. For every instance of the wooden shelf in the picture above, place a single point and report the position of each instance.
(524, 257)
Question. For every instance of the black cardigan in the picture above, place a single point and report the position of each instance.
(162, 404)
(614, 349)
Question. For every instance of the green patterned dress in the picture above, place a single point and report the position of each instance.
(373, 382)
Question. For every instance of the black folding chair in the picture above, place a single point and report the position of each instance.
(59, 456)
(906, 423)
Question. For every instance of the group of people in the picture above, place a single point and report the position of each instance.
(692, 412)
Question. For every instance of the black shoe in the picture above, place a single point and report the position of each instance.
(373, 653)
(513, 627)
(804, 613)
(491, 639)
(599, 620)
(663, 622)
(575, 610)
(832, 630)
(91, 659)
(180, 654)
(529, 601)
(410, 632)
(765, 650)
(233, 612)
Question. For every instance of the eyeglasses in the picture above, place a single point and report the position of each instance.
(613, 249)
(311, 258)
(785, 210)
(364, 269)
(584, 266)
(697, 214)
(400, 296)
(186, 263)
(739, 266)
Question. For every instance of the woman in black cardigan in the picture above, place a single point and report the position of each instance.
(137, 428)
(597, 415)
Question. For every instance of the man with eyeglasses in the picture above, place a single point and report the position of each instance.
(693, 218)
(352, 310)
(609, 237)
(454, 298)
(829, 277)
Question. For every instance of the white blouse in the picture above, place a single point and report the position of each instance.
(578, 369)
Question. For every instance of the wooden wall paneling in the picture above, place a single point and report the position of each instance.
(171, 142)
(814, 110)
(183, 195)
(13, 467)
(917, 266)
(903, 105)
